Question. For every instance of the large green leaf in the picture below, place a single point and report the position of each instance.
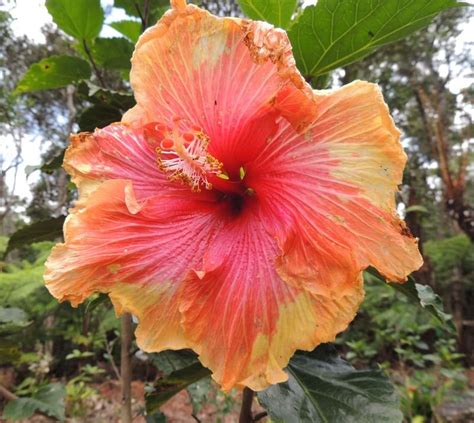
(49, 400)
(334, 33)
(324, 388)
(44, 230)
(113, 53)
(168, 386)
(277, 12)
(128, 28)
(421, 295)
(82, 19)
(53, 72)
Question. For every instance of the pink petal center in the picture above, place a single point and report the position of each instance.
(182, 154)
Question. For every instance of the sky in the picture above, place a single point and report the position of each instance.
(30, 16)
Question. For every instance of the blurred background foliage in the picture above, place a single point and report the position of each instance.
(62, 363)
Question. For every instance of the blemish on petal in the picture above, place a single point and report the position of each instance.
(114, 268)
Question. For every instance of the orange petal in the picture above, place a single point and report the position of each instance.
(139, 253)
(244, 321)
(335, 187)
(215, 72)
(115, 152)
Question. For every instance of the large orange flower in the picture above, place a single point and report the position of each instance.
(234, 208)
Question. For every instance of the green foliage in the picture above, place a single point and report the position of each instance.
(49, 167)
(324, 388)
(336, 33)
(49, 400)
(423, 392)
(277, 12)
(170, 361)
(391, 329)
(3, 244)
(168, 386)
(101, 96)
(12, 319)
(450, 255)
(113, 53)
(19, 285)
(128, 28)
(107, 106)
(39, 231)
(54, 72)
(98, 116)
(81, 19)
(422, 295)
(137, 9)
(77, 390)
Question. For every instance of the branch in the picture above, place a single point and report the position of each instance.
(94, 65)
(142, 18)
(110, 357)
(10, 396)
(146, 13)
(126, 367)
(246, 409)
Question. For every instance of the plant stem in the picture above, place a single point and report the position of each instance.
(246, 409)
(126, 367)
(10, 396)
(92, 62)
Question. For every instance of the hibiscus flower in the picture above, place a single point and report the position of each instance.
(233, 209)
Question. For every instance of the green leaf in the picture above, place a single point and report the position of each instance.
(419, 294)
(97, 95)
(136, 8)
(324, 388)
(13, 315)
(130, 29)
(168, 386)
(113, 53)
(55, 163)
(417, 209)
(10, 352)
(169, 361)
(277, 12)
(12, 320)
(48, 167)
(44, 230)
(49, 400)
(95, 302)
(432, 302)
(98, 116)
(335, 33)
(53, 72)
(82, 19)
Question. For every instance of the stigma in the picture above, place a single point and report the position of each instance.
(182, 153)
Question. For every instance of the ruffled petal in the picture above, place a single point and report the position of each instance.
(138, 252)
(334, 187)
(244, 320)
(115, 152)
(215, 72)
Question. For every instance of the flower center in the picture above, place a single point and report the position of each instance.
(182, 153)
